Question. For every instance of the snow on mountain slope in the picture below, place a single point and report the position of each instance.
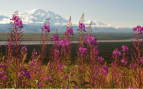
(36, 16)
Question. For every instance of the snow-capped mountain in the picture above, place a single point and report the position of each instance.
(36, 16)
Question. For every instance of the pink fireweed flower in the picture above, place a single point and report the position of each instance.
(4, 77)
(69, 31)
(141, 60)
(15, 18)
(9, 44)
(20, 23)
(55, 37)
(81, 27)
(17, 22)
(24, 48)
(46, 27)
(124, 61)
(24, 73)
(104, 70)
(116, 52)
(56, 52)
(125, 48)
(90, 40)
(138, 29)
(133, 66)
(34, 53)
(60, 67)
(62, 43)
(100, 59)
(2, 65)
(40, 85)
(1, 73)
(83, 51)
(32, 63)
(96, 51)
(75, 87)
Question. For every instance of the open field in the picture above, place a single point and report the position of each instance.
(105, 48)
(75, 37)
(96, 60)
(107, 42)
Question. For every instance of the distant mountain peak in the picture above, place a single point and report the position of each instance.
(37, 16)
(39, 11)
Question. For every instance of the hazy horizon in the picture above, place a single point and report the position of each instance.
(122, 13)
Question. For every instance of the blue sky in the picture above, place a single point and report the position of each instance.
(115, 12)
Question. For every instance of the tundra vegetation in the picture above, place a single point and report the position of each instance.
(89, 71)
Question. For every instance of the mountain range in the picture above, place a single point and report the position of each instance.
(35, 16)
(34, 19)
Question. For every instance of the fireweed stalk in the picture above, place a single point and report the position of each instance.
(90, 52)
(82, 51)
(67, 36)
(56, 62)
(137, 56)
(23, 53)
(81, 29)
(44, 39)
(61, 49)
(55, 51)
(115, 75)
(61, 55)
(120, 60)
(122, 63)
(116, 55)
(69, 30)
(15, 39)
(16, 36)
(44, 35)
(91, 44)
(138, 43)
(124, 60)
